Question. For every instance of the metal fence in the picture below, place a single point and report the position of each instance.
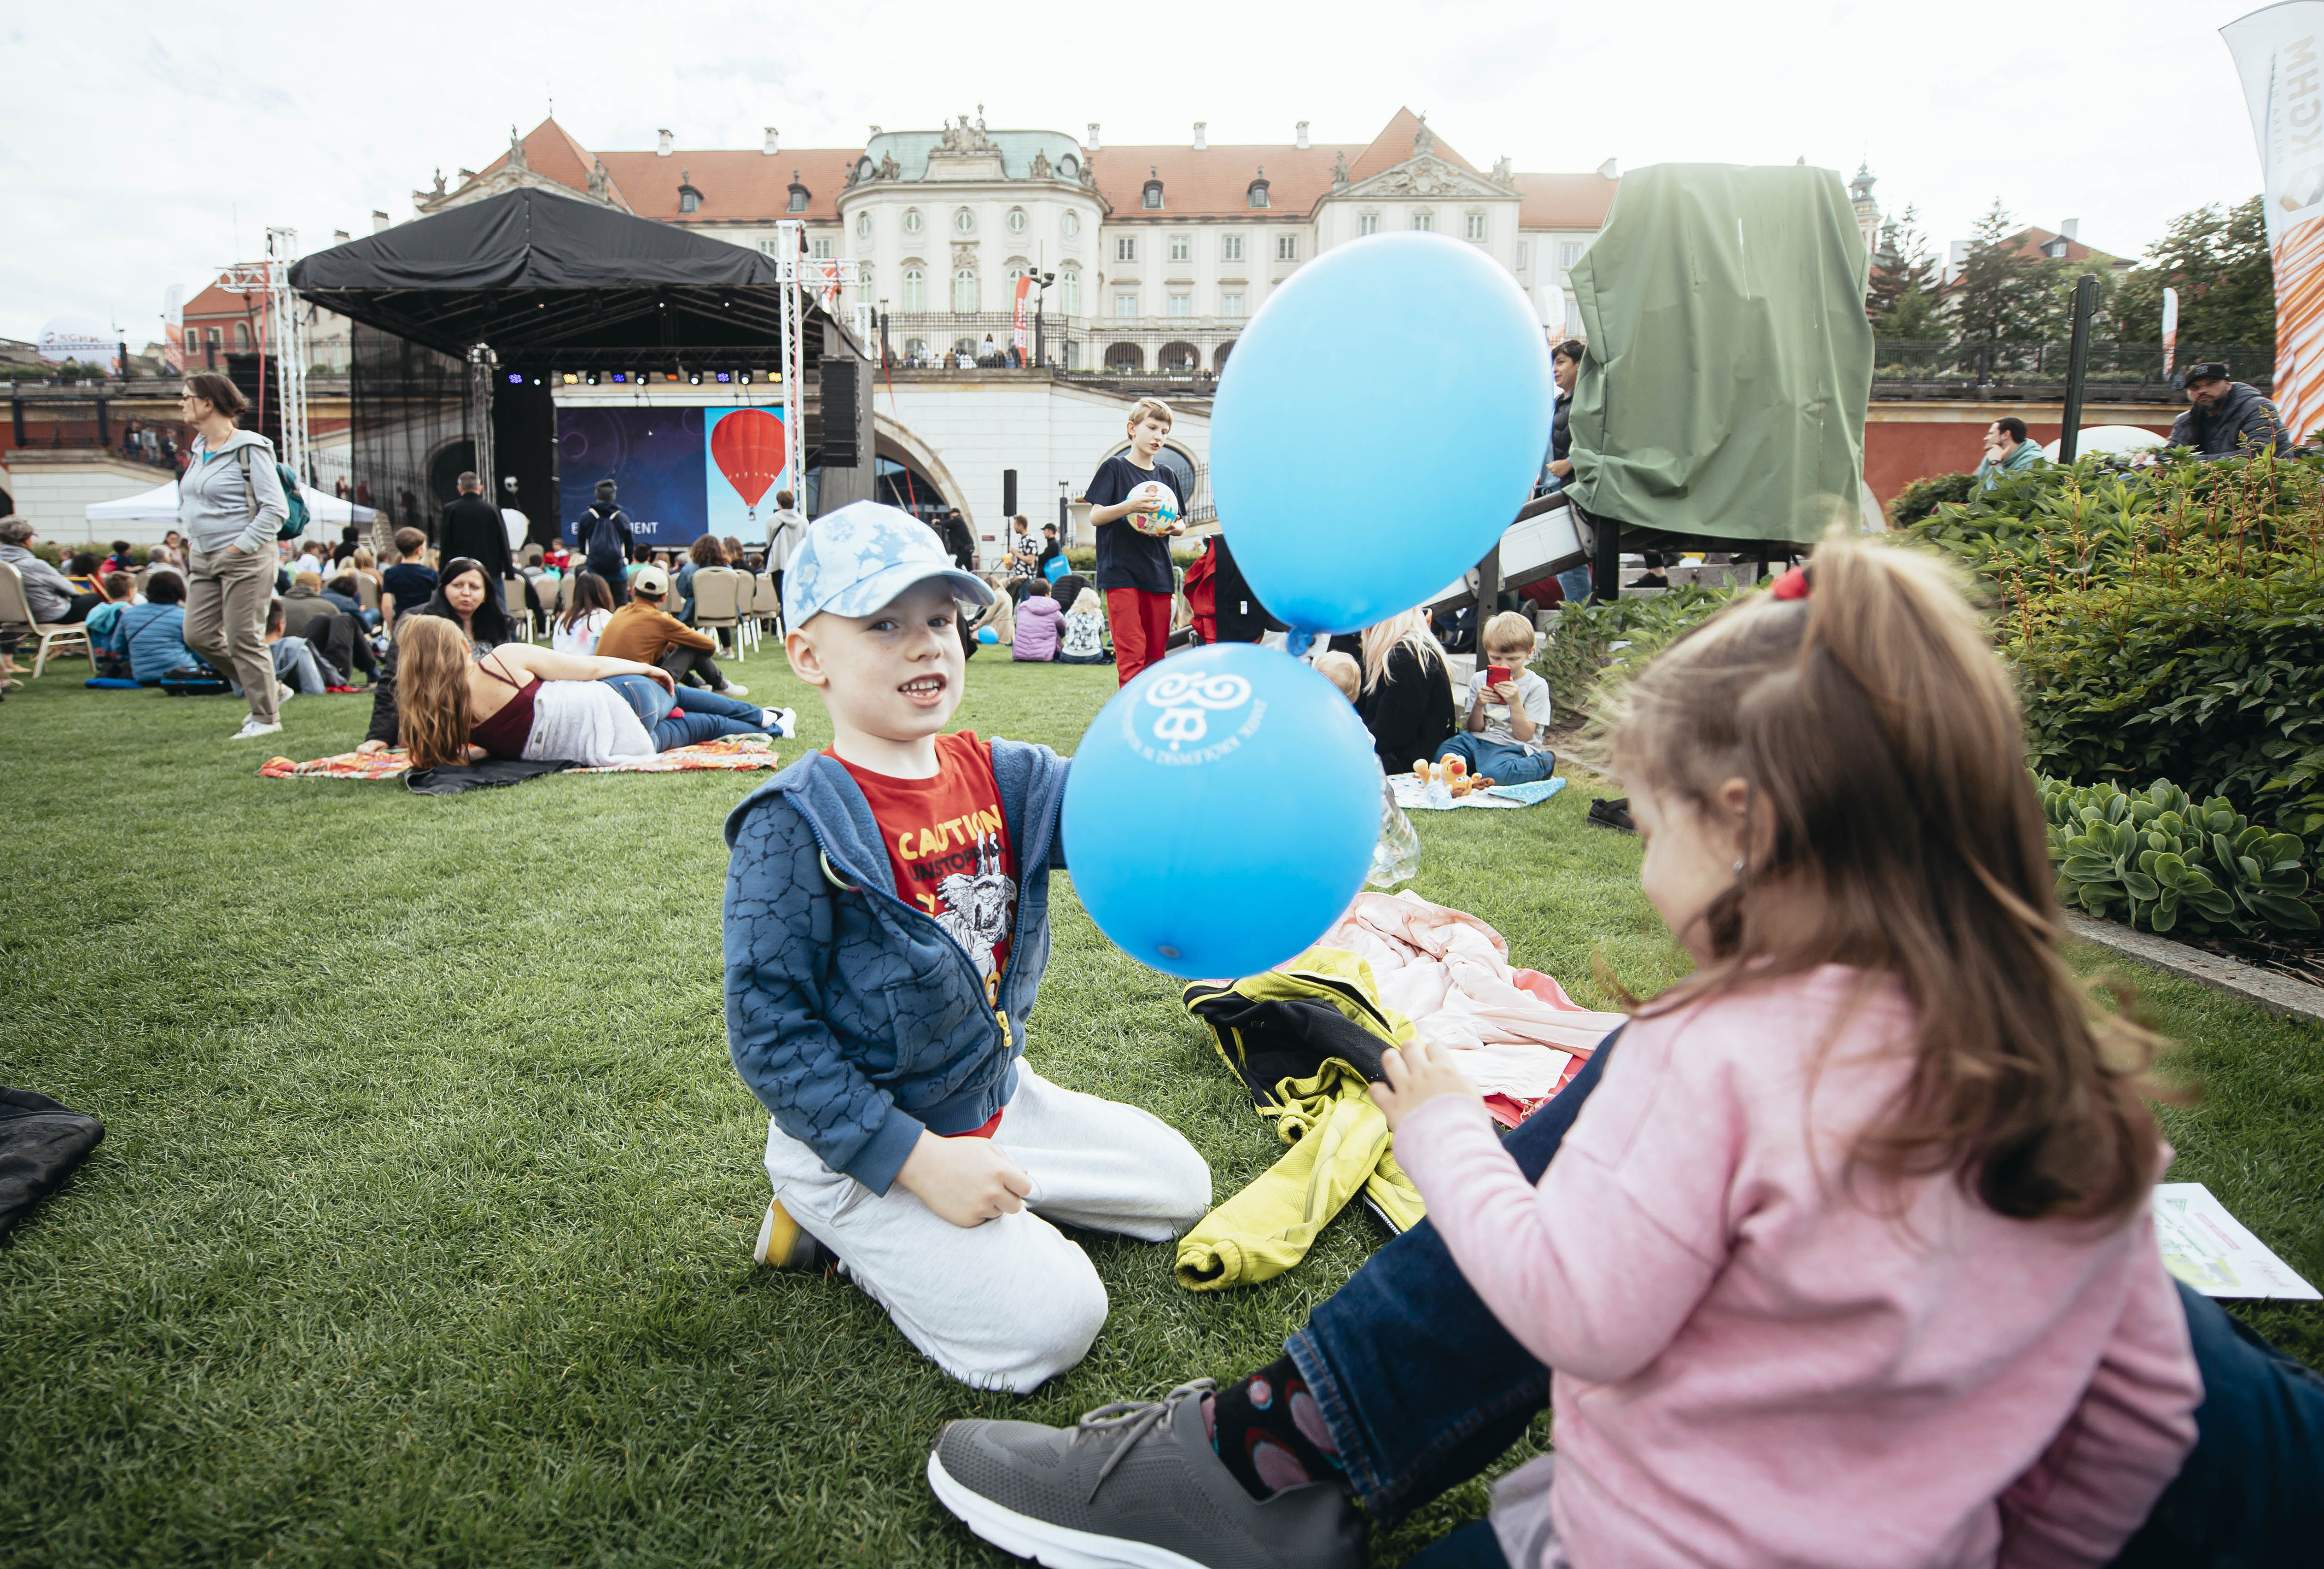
(1984, 363)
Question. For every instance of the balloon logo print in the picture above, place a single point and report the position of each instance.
(1183, 701)
(748, 448)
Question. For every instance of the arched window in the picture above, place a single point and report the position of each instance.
(1018, 267)
(864, 225)
(1070, 226)
(1256, 195)
(915, 291)
(1018, 220)
(1219, 357)
(1125, 357)
(688, 199)
(1180, 359)
(242, 335)
(797, 202)
(963, 290)
(1152, 200)
(965, 221)
(1069, 291)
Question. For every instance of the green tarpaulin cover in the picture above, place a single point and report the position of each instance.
(1730, 357)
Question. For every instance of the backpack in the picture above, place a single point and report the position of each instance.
(294, 518)
(193, 681)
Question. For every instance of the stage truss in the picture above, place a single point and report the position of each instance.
(287, 332)
(800, 274)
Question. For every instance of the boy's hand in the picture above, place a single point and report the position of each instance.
(1507, 692)
(967, 1181)
(1415, 1073)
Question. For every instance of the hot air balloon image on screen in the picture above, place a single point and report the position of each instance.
(747, 446)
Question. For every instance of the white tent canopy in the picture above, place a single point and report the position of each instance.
(160, 506)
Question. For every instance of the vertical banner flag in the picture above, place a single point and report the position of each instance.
(2276, 53)
(173, 329)
(1025, 287)
(2170, 330)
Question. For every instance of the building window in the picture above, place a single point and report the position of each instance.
(1070, 224)
(1229, 305)
(911, 220)
(864, 225)
(1125, 247)
(1424, 221)
(1125, 306)
(1181, 305)
(1069, 291)
(965, 221)
(242, 335)
(1477, 226)
(916, 295)
(1521, 256)
(1230, 247)
(1152, 200)
(1569, 254)
(963, 290)
(1016, 220)
(688, 199)
(822, 250)
(1182, 248)
(1368, 223)
(798, 198)
(772, 248)
(1258, 193)
(1286, 247)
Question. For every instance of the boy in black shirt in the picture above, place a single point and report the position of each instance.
(1133, 566)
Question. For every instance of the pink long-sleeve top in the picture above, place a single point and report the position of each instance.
(1752, 1367)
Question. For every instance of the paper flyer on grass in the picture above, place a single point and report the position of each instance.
(2211, 1250)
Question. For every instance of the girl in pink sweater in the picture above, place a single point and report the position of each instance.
(1848, 1259)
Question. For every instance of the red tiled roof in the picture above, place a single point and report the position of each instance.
(1564, 202)
(736, 187)
(1214, 182)
(216, 301)
(2028, 242)
(1393, 145)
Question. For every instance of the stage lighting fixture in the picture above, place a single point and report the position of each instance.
(536, 381)
(516, 378)
(669, 375)
(569, 379)
(743, 377)
(694, 378)
(725, 376)
(620, 376)
(592, 378)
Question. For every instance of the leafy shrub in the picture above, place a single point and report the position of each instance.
(2159, 861)
(2169, 623)
(1922, 497)
(1594, 643)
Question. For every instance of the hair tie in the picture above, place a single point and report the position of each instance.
(1794, 584)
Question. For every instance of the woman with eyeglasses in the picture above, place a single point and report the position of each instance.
(230, 504)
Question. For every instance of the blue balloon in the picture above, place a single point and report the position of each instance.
(987, 636)
(1221, 811)
(1383, 418)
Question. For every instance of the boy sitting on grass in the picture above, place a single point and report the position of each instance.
(887, 924)
(1505, 725)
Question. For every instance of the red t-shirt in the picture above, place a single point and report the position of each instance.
(949, 844)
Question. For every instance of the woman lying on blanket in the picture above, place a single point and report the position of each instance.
(521, 701)
(462, 599)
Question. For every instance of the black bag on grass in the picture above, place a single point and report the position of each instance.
(41, 1142)
(193, 681)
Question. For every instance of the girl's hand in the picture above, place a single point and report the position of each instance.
(1417, 1073)
(659, 676)
(372, 748)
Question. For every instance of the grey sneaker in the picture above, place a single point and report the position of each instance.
(1134, 1485)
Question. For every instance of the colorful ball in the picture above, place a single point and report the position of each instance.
(1164, 516)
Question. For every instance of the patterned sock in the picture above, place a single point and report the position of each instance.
(1270, 1433)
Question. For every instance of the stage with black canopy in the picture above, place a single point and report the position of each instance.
(464, 322)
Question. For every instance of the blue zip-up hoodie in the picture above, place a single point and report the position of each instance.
(855, 1017)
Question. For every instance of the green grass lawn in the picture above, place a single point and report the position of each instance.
(421, 1231)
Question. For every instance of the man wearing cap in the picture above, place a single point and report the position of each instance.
(886, 929)
(643, 631)
(2228, 418)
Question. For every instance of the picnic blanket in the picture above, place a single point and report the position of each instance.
(1415, 796)
(732, 752)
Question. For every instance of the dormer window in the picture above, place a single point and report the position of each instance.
(1152, 201)
(1257, 193)
(689, 199)
(797, 202)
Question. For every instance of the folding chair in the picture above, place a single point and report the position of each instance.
(716, 604)
(767, 608)
(55, 637)
(518, 598)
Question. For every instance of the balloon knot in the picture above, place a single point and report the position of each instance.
(1297, 642)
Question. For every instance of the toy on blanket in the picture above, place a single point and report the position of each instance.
(1452, 774)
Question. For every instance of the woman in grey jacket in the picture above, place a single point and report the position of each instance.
(230, 503)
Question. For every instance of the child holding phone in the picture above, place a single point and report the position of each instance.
(1505, 725)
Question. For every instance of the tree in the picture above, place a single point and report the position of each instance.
(2001, 296)
(2219, 260)
(1900, 300)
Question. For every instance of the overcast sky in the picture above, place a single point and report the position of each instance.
(146, 146)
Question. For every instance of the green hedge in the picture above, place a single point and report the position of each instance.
(1595, 644)
(1923, 497)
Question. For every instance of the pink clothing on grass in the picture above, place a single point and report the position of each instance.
(1752, 1367)
(1040, 621)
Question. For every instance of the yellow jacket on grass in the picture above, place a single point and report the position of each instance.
(1306, 1041)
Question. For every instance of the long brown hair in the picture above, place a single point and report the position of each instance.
(1879, 734)
(432, 709)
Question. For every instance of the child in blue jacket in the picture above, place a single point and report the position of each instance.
(887, 924)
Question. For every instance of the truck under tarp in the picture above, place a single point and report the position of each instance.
(1730, 361)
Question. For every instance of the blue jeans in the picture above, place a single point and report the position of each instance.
(689, 718)
(1575, 581)
(1497, 760)
(1422, 1388)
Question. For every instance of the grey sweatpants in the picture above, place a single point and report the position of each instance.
(1008, 1303)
